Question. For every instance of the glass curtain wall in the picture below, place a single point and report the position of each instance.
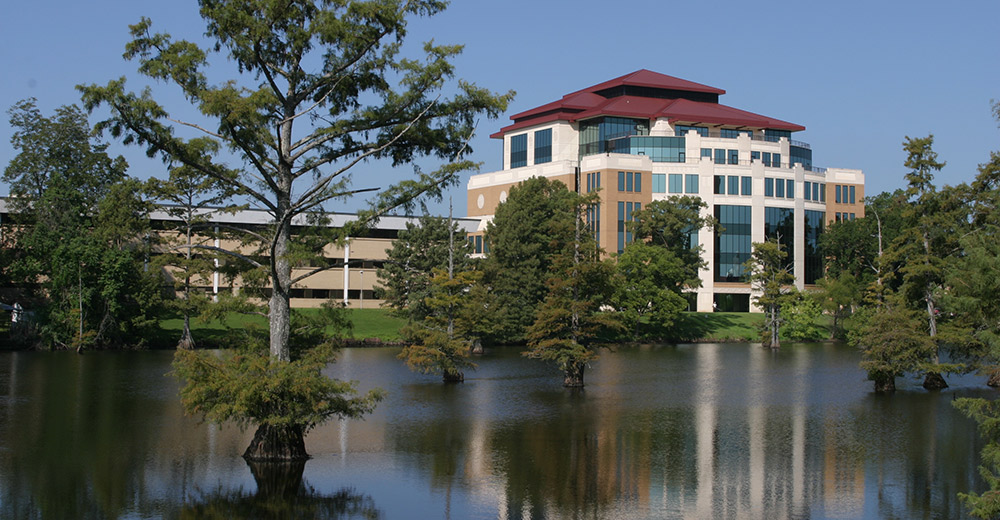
(733, 243)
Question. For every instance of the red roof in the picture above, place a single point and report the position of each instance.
(586, 103)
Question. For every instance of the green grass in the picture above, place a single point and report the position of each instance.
(368, 324)
(718, 326)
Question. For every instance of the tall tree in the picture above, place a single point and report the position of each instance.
(568, 322)
(891, 344)
(323, 86)
(535, 222)
(649, 284)
(670, 224)
(771, 279)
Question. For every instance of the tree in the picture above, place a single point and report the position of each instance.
(892, 343)
(669, 224)
(987, 414)
(770, 278)
(417, 251)
(569, 321)
(536, 221)
(801, 312)
(192, 200)
(322, 87)
(81, 232)
(649, 282)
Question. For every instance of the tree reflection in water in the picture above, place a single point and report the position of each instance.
(281, 493)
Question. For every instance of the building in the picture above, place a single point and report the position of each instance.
(647, 136)
(351, 281)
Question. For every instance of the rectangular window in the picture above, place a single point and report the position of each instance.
(676, 181)
(852, 216)
(691, 183)
(754, 156)
(720, 156)
(836, 194)
(734, 185)
(790, 190)
(628, 181)
(822, 192)
(746, 186)
(768, 187)
(684, 129)
(706, 152)
(776, 160)
(767, 159)
(638, 182)
(807, 190)
(779, 188)
(734, 156)
(519, 151)
(720, 184)
(543, 146)
(659, 183)
(851, 198)
(479, 244)
(621, 181)
(621, 227)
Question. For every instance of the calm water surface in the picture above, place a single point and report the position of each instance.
(689, 431)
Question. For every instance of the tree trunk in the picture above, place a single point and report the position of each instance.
(994, 379)
(885, 385)
(574, 375)
(279, 310)
(277, 443)
(453, 376)
(187, 340)
(280, 480)
(477, 347)
(934, 381)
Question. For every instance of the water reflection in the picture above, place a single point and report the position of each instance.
(691, 431)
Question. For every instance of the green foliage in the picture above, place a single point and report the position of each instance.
(801, 314)
(536, 221)
(838, 297)
(669, 224)
(649, 283)
(419, 249)
(770, 276)
(247, 387)
(441, 342)
(892, 342)
(987, 414)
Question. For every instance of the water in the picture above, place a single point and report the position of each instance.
(690, 431)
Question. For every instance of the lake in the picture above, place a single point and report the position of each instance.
(686, 431)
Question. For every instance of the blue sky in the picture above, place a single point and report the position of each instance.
(860, 76)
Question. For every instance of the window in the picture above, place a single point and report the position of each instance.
(706, 152)
(779, 188)
(779, 224)
(822, 192)
(851, 198)
(730, 133)
(767, 159)
(684, 129)
(593, 181)
(629, 185)
(720, 184)
(691, 183)
(790, 189)
(543, 146)
(813, 257)
(638, 182)
(733, 243)
(621, 181)
(630, 181)
(659, 183)
(746, 186)
(626, 211)
(734, 185)
(734, 156)
(479, 244)
(720, 156)
(836, 192)
(776, 160)
(754, 156)
(519, 151)
(768, 187)
(852, 216)
(807, 190)
(676, 181)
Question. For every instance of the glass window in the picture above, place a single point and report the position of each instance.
(822, 192)
(720, 184)
(621, 181)
(836, 194)
(851, 198)
(706, 152)
(767, 159)
(720, 156)
(776, 160)
(746, 186)
(790, 190)
(519, 151)
(691, 183)
(754, 156)
(734, 156)
(659, 183)
(768, 187)
(543, 146)
(621, 226)
(684, 129)
(807, 190)
(638, 182)
(628, 181)
(814, 221)
(734, 185)
(779, 224)
(779, 188)
(676, 181)
(852, 216)
(733, 243)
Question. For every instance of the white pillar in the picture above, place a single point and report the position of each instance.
(347, 270)
(215, 274)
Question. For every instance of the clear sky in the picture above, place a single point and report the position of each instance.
(860, 76)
